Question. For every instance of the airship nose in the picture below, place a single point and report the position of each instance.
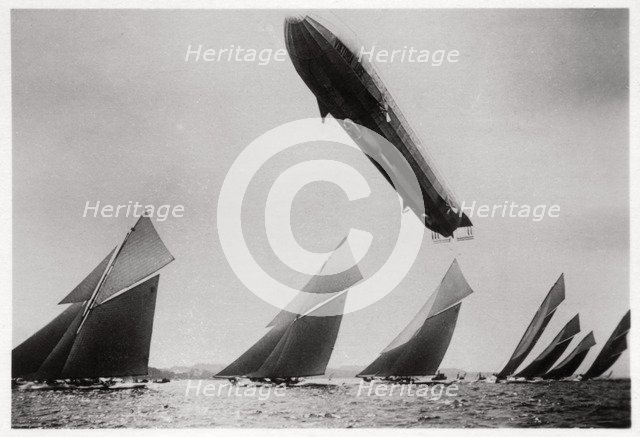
(299, 38)
(294, 19)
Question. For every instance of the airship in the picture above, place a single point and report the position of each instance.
(351, 91)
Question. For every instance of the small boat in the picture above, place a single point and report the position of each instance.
(572, 378)
(439, 376)
(480, 378)
(493, 379)
(161, 380)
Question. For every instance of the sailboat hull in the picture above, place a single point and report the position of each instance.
(31, 386)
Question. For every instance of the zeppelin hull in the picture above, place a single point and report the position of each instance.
(349, 89)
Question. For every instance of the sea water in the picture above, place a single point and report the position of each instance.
(339, 403)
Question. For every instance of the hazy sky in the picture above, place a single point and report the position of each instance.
(535, 111)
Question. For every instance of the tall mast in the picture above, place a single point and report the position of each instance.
(91, 302)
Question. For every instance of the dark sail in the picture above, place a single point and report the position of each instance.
(301, 337)
(142, 254)
(107, 330)
(273, 343)
(612, 349)
(53, 365)
(323, 285)
(382, 365)
(536, 327)
(570, 364)
(27, 357)
(306, 346)
(419, 349)
(84, 290)
(422, 355)
(252, 359)
(116, 336)
(550, 355)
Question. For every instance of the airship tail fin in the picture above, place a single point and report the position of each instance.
(324, 111)
(464, 221)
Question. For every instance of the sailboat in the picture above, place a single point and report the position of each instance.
(550, 355)
(570, 364)
(301, 337)
(106, 331)
(611, 350)
(535, 329)
(419, 349)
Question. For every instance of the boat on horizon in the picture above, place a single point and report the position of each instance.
(565, 370)
(102, 340)
(612, 349)
(480, 377)
(540, 365)
(540, 320)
